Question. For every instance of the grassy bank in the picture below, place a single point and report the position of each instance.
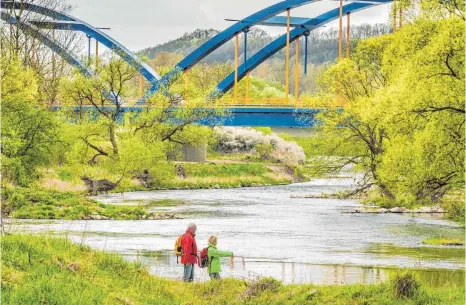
(45, 270)
(227, 175)
(219, 174)
(443, 242)
(453, 202)
(52, 204)
(48, 201)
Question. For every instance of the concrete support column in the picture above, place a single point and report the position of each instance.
(195, 153)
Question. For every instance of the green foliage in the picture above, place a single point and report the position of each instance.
(38, 269)
(265, 130)
(455, 205)
(51, 204)
(404, 109)
(264, 150)
(224, 170)
(262, 285)
(102, 144)
(65, 175)
(443, 242)
(29, 131)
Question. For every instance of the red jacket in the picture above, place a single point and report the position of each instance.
(189, 248)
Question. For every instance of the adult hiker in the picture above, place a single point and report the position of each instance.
(214, 255)
(189, 252)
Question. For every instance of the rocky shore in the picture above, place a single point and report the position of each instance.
(151, 216)
(397, 210)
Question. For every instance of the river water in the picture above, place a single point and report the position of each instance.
(295, 240)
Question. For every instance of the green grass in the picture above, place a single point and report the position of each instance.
(443, 242)
(45, 270)
(30, 203)
(224, 170)
(209, 175)
(422, 253)
(165, 203)
(226, 175)
(453, 202)
(209, 182)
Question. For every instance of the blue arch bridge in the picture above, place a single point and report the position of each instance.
(284, 114)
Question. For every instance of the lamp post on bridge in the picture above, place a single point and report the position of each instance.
(306, 36)
(88, 48)
(287, 59)
(89, 38)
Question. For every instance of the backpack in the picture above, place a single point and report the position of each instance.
(178, 248)
(204, 262)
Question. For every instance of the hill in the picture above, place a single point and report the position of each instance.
(323, 43)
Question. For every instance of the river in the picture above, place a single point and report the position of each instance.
(295, 240)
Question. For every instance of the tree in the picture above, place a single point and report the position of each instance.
(104, 95)
(428, 94)
(26, 46)
(404, 106)
(105, 136)
(29, 131)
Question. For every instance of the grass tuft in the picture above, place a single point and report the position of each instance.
(443, 242)
(405, 285)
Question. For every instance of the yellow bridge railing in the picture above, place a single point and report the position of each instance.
(277, 102)
(274, 102)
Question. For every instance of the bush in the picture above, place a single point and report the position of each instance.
(454, 204)
(248, 140)
(261, 285)
(265, 130)
(405, 285)
(65, 175)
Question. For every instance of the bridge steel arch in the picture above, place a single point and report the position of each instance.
(53, 45)
(67, 22)
(279, 43)
(244, 24)
(221, 38)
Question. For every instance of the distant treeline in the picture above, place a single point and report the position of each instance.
(323, 43)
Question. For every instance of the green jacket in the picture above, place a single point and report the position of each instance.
(214, 258)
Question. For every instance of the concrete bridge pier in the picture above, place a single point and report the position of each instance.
(194, 153)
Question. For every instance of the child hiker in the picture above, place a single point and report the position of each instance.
(214, 255)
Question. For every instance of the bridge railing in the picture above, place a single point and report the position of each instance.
(274, 102)
(278, 102)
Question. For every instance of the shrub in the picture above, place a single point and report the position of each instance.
(65, 175)
(265, 130)
(261, 285)
(405, 285)
(248, 140)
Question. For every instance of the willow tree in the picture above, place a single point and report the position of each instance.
(403, 108)
(425, 155)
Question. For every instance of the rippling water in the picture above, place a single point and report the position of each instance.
(271, 234)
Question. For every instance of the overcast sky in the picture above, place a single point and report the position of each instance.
(143, 23)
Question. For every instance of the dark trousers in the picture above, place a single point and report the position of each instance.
(215, 276)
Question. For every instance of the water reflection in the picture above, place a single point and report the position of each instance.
(164, 263)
